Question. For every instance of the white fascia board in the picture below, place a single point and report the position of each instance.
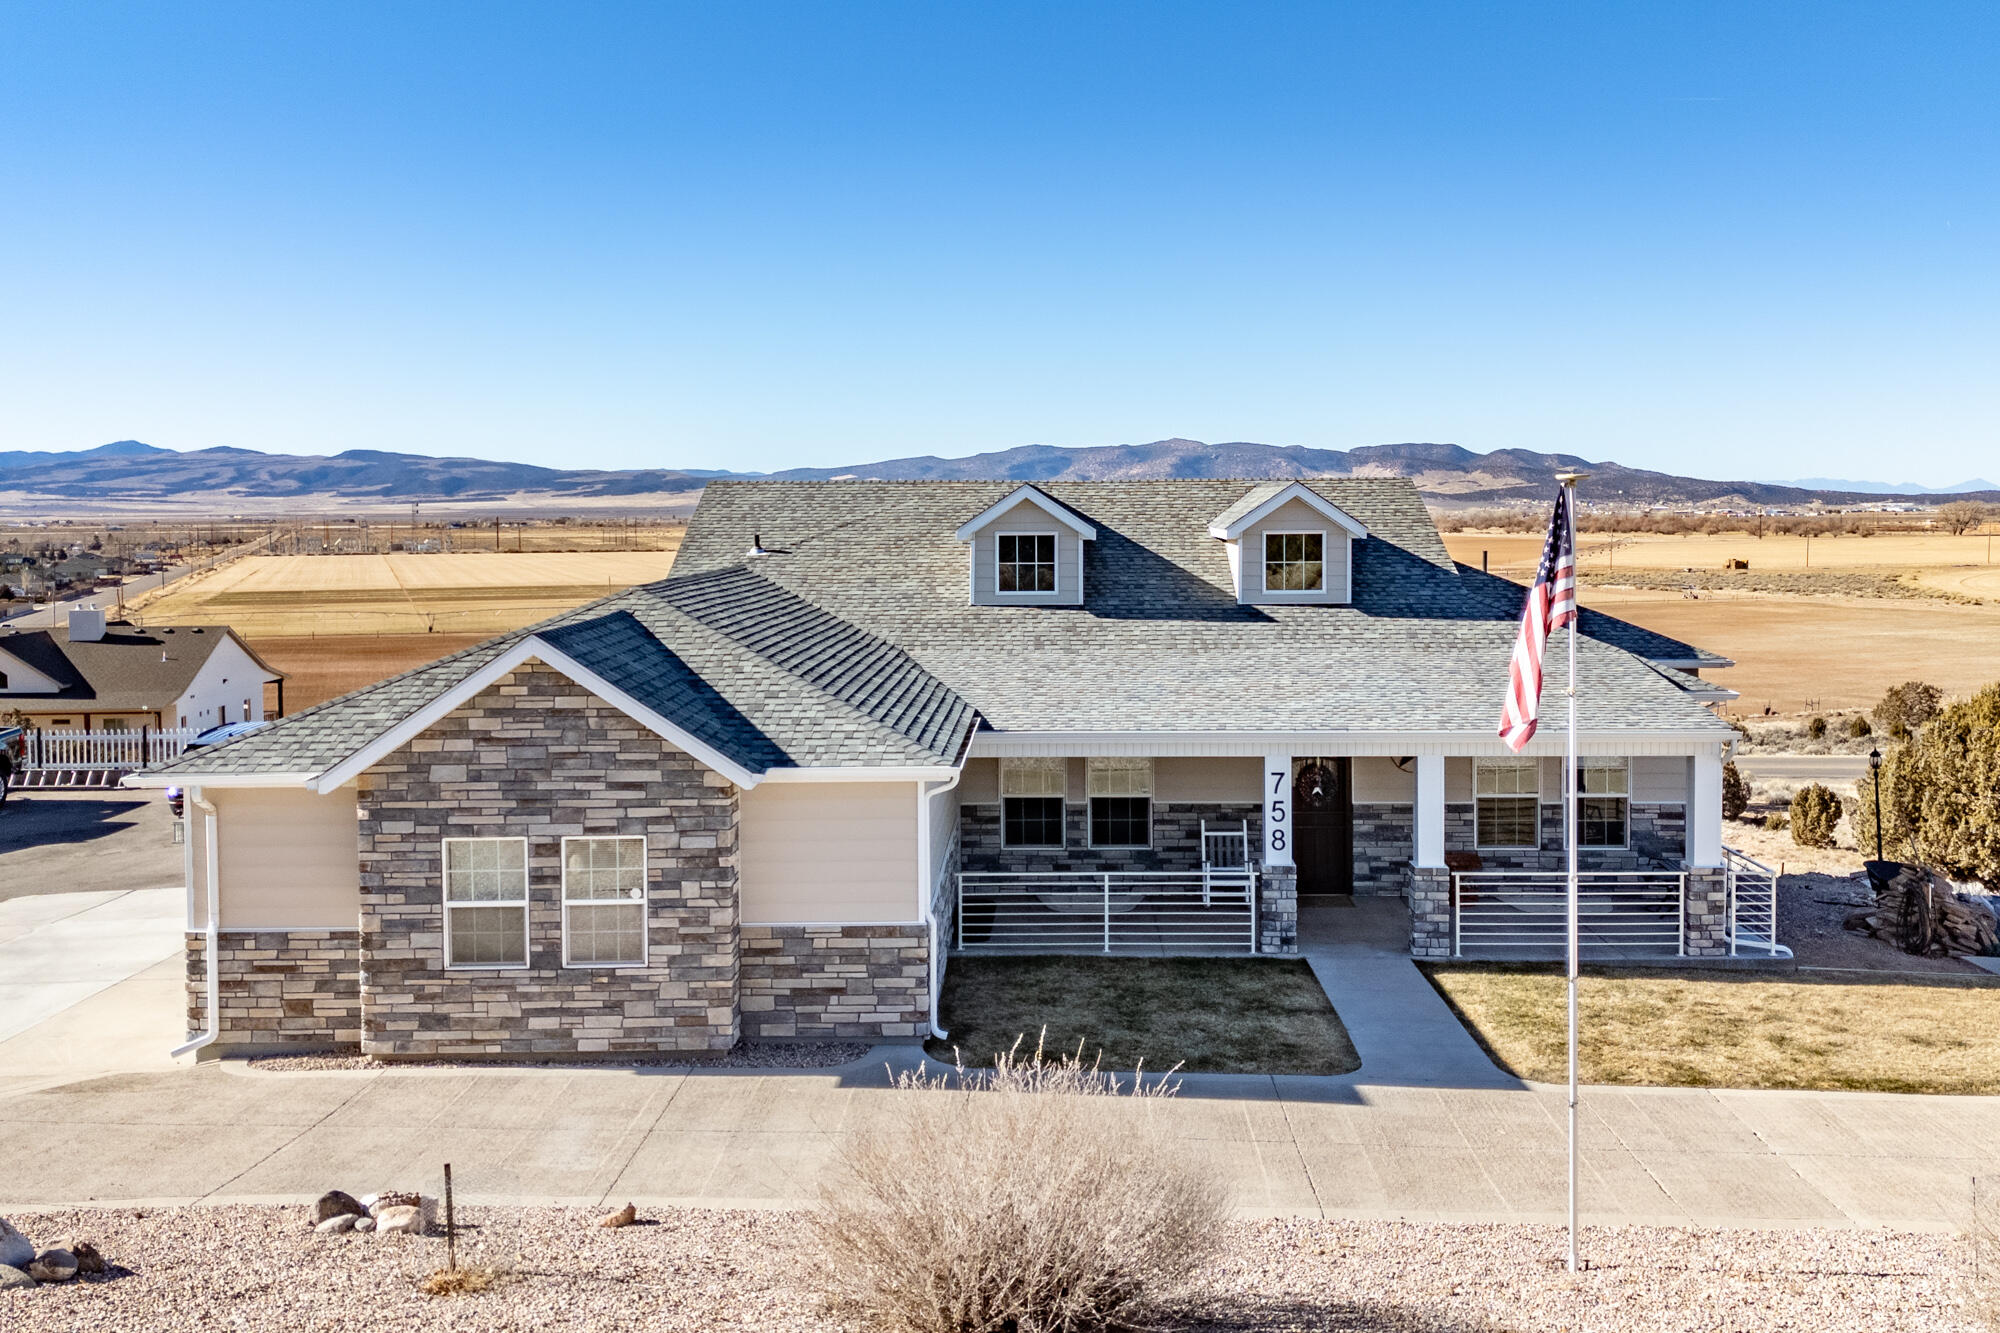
(218, 780)
(537, 649)
(914, 774)
(1687, 663)
(1296, 491)
(1039, 499)
(1394, 744)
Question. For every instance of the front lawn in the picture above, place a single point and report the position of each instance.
(1208, 1015)
(1735, 1030)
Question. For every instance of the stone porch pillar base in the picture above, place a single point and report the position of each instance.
(1430, 912)
(1705, 912)
(1278, 911)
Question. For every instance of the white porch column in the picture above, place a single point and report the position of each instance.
(1704, 813)
(1430, 811)
(1278, 813)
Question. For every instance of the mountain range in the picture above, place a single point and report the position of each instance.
(131, 473)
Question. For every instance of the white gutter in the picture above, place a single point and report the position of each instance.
(929, 904)
(211, 867)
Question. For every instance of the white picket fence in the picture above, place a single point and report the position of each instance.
(104, 751)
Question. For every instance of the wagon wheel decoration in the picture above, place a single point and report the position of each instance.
(1316, 786)
(1913, 931)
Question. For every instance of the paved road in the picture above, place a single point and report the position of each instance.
(57, 613)
(1803, 767)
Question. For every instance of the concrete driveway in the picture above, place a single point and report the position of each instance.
(62, 842)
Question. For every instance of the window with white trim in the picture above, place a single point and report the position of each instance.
(1508, 793)
(486, 902)
(1032, 792)
(1603, 802)
(1121, 802)
(1024, 562)
(1295, 562)
(604, 902)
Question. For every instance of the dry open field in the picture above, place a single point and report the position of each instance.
(457, 593)
(1797, 652)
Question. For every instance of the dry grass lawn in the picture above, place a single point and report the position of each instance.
(1723, 1030)
(1207, 1015)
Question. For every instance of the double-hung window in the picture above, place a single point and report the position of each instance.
(1121, 802)
(604, 902)
(1026, 562)
(1509, 797)
(1031, 801)
(1603, 801)
(1295, 562)
(486, 902)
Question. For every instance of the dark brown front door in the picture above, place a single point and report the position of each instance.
(1323, 802)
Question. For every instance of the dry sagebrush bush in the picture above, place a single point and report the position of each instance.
(1041, 1196)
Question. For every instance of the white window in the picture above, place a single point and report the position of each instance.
(1295, 562)
(1024, 562)
(1032, 793)
(1509, 796)
(486, 902)
(1603, 802)
(1121, 802)
(604, 902)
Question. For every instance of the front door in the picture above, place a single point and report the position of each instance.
(1323, 804)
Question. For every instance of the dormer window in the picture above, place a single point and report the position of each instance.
(1027, 550)
(1025, 562)
(1294, 562)
(1288, 544)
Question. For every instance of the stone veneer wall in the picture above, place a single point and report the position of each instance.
(1430, 912)
(1705, 911)
(537, 756)
(1278, 911)
(1176, 839)
(279, 989)
(1656, 839)
(835, 981)
(1385, 842)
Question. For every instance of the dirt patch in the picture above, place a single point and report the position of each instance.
(318, 668)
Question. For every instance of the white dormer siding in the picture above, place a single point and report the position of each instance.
(17, 677)
(1288, 546)
(1029, 532)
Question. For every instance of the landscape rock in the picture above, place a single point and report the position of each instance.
(402, 1217)
(624, 1217)
(53, 1266)
(12, 1277)
(364, 1224)
(336, 1224)
(334, 1203)
(393, 1199)
(367, 1201)
(88, 1260)
(16, 1250)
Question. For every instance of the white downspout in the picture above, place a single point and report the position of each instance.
(211, 868)
(930, 885)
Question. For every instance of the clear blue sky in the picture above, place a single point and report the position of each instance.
(1728, 239)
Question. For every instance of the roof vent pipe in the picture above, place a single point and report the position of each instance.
(757, 545)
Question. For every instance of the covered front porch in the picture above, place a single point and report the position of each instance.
(1167, 853)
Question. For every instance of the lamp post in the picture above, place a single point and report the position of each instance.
(1875, 781)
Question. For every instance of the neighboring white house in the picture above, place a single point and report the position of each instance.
(99, 675)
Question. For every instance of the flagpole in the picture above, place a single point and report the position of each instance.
(1569, 481)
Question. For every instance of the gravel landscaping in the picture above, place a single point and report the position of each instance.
(761, 1055)
(261, 1267)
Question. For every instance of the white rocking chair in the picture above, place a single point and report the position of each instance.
(1225, 864)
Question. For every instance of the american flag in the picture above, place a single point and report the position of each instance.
(1551, 605)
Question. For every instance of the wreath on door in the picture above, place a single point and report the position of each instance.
(1317, 785)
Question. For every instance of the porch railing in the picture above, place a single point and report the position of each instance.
(1120, 911)
(1509, 910)
(104, 751)
(1753, 906)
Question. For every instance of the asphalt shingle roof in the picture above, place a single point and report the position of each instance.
(129, 669)
(731, 658)
(1161, 643)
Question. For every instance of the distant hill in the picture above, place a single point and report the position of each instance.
(1891, 488)
(1445, 473)
(128, 472)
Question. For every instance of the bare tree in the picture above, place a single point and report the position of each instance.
(1962, 516)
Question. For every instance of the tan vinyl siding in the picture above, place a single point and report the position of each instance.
(828, 851)
(1660, 777)
(1295, 516)
(1207, 781)
(1026, 517)
(980, 784)
(1457, 779)
(289, 859)
(1378, 781)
